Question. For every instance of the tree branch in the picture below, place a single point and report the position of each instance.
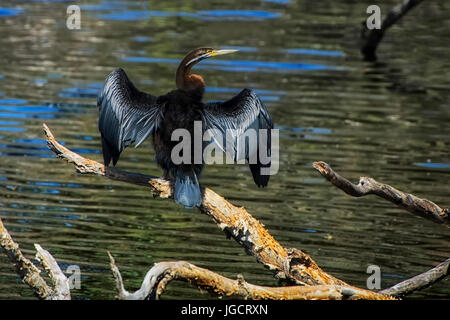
(420, 281)
(30, 274)
(159, 276)
(60, 282)
(366, 186)
(374, 36)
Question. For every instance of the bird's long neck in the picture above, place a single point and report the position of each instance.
(187, 81)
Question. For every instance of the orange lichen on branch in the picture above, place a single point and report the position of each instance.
(252, 235)
(162, 273)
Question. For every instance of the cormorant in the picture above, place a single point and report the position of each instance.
(127, 115)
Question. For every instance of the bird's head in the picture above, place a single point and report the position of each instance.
(187, 81)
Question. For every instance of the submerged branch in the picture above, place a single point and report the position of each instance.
(159, 276)
(366, 186)
(373, 37)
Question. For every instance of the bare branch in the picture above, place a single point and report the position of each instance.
(159, 276)
(30, 274)
(409, 202)
(420, 281)
(59, 280)
(24, 267)
(373, 37)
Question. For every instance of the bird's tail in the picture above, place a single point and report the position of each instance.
(187, 189)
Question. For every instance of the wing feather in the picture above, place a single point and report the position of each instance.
(126, 115)
(230, 122)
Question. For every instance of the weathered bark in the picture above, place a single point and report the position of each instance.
(291, 264)
(366, 186)
(159, 276)
(421, 281)
(30, 274)
(373, 37)
(61, 287)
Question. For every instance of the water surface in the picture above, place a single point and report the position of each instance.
(388, 120)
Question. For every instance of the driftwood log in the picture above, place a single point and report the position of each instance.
(307, 279)
(372, 38)
(157, 278)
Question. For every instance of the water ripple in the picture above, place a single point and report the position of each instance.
(242, 65)
(10, 12)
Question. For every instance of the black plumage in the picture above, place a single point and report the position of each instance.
(127, 115)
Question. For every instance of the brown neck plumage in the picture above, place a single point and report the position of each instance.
(187, 81)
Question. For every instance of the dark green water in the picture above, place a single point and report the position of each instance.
(388, 120)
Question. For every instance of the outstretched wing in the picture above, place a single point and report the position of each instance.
(231, 122)
(127, 115)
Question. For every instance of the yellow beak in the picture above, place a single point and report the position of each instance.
(221, 52)
(210, 54)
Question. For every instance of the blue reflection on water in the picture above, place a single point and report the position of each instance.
(432, 165)
(25, 115)
(238, 15)
(129, 11)
(141, 39)
(35, 147)
(10, 123)
(35, 141)
(313, 130)
(44, 108)
(97, 85)
(213, 15)
(79, 93)
(12, 129)
(315, 52)
(278, 1)
(11, 108)
(85, 151)
(10, 12)
(305, 130)
(12, 101)
(240, 65)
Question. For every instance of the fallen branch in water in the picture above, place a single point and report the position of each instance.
(159, 276)
(30, 274)
(373, 37)
(366, 186)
